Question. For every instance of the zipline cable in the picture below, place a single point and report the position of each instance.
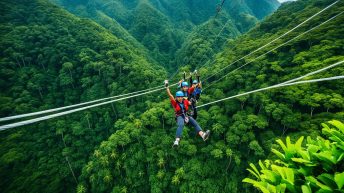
(94, 101)
(274, 86)
(30, 121)
(219, 8)
(75, 105)
(280, 84)
(218, 35)
(273, 49)
(286, 33)
(315, 72)
(287, 83)
(189, 59)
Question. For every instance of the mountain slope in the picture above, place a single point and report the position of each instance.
(50, 58)
(139, 157)
(163, 27)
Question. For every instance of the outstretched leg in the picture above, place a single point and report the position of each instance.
(198, 129)
(180, 126)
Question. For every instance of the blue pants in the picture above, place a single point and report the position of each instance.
(180, 123)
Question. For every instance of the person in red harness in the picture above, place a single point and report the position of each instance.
(181, 107)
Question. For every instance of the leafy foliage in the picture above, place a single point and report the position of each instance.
(316, 167)
(171, 28)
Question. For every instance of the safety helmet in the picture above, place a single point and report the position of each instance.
(194, 82)
(185, 84)
(179, 94)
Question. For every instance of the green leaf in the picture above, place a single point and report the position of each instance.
(271, 188)
(304, 154)
(270, 176)
(281, 188)
(317, 183)
(299, 143)
(280, 142)
(300, 160)
(278, 170)
(327, 157)
(256, 184)
(312, 148)
(325, 126)
(337, 124)
(328, 180)
(340, 157)
(334, 135)
(262, 165)
(253, 173)
(339, 179)
(255, 169)
(289, 174)
(306, 189)
(290, 146)
(305, 170)
(279, 154)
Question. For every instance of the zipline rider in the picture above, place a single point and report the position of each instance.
(181, 107)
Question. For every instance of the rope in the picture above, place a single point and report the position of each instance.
(71, 106)
(289, 81)
(315, 72)
(275, 86)
(273, 39)
(219, 8)
(4, 127)
(8, 126)
(274, 49)
(217, 36)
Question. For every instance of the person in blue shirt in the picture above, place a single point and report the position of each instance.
(195, 95)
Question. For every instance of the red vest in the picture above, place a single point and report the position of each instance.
(177, 108)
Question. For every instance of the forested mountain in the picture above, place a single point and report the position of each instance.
(52, 58)
(165, 26)
(139, 158)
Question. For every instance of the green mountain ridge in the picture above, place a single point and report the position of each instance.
(50, 59)
(53, 58)
(163, 27)
(243, 129)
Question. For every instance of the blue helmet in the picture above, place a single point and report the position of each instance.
(185, 84)
(194, 82)
(179, 94)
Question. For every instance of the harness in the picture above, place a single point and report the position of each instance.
(182, 112)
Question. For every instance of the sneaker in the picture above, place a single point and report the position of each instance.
(205, 135)
(176, 143)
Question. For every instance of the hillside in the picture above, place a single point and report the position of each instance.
(167, 28)
(243, 129)
(50, 58)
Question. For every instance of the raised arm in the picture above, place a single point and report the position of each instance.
(169, 93)
(168, 90)
(199, 82)
(180, 83)
(200, 85)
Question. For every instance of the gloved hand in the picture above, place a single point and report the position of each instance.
(166, 83)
